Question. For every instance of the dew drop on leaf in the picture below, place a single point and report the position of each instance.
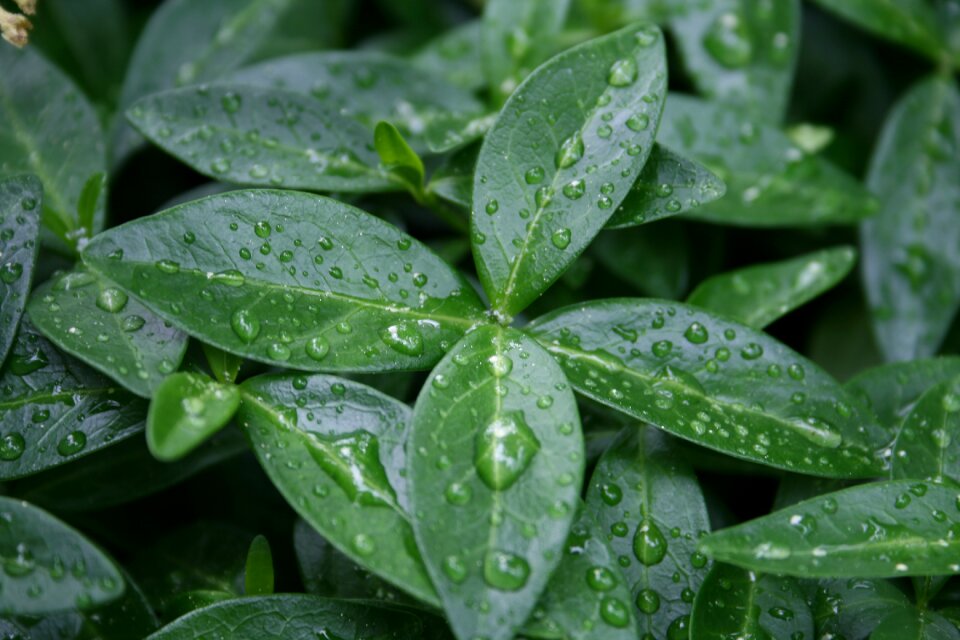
(112, 300)
(504, 449)
(649, 545)
(505, 571)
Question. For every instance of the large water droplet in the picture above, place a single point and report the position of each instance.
(112, 300)
(648, 601)
(601, 579)
(404, 338)
(353, 462)
(561, 238)
(10, 272)
(649, 545)
(72, 443)
(505, 571)
(317, 348)
(245, 325)
(12, 446)
(614, 612)
(570, 152)
(504, 449)
(623, 72)
(728, 41)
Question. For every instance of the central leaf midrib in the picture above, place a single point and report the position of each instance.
(46, 398)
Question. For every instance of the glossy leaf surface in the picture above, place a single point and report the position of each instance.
(913, 624)
(928, 443)
(284, 277)
(495, 470)
(770, 181)
(646, 500)
(910, 259)
(54, 409)
(760, 294)
(92, 319)
(398, 159)
(20, 200)
(882, 529)
(186, 409)
(550, 175)
(712, 381)
(49, 566)
(335, 450)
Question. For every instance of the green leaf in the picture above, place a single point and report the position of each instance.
(90, 318)
(400, 161)
(298, 616)
(770, 181)
(262, 137)
(742, 52)
(258, 575)
(587, 597)
(516, 36)
(19, 244)
(186, 409)
(668, 185)
(335, 450)
(550, 174)
(185, 43)
(759, 294)
(49, 566)
(608, 14)
(224, 366)
(910, 257)
(51, 131)
(852, 608)
(54, 409)
(655, 259)
(91, 201)
(496, 470)
(914, 624)
(645, 496)
(453, 180)
(877, 530)
(454, 56)
(928, 443)
(372, 301)
(734, 602)
(368, 86)
(711, 381)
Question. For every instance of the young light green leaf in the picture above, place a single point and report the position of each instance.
(911, 265)
(516, 36)
(915, 624)
(91, 318)
(455, 56)
(852, 608)
(49, 566)
(928, 443)
(298, 616)
(655, 259)
(876, 530)
(184, 43)
(51, 131)
(262, 137)
(646, 497)
(668, 185)
(400, 161)
(734, 602)
(224, 366)
(371, 301)
(20, 200)
(369, 87)
(495, 474)
(587, 597)
(770, 181)
(760, 294)
(711, 381)
(54, 409)
(335, 449)
(561, 158)
(186, 409)
(90, 202)
(258, 574)
(742, 52)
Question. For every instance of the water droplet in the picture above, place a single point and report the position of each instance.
(245, 326)
(611, 493)
(638, 122)
(819, 431)
(278, 351)
(455, 569)
(72, 443)
(500, 365)
(574, 190)
(504, 450)
(751, 351)
(561, 238)
(21, 564)
(623, 72)
(679, 629)
(364, 545)
(492, 207)
(648, 601)
(661, 348)
(534, 175)
(458, 493)
(902, 501)
(12, 446)
(404, 338)
(728, 41)
(781, 613)
(317, 348)
(11, 272)
(132, 323)
(168, 266)
(614, 612)
(649, 545)
(696, 333)
(505, 571)
(601, 579)
(352, 460)
(950, 402)
(112, 300)
(570, 152)
(231, 102)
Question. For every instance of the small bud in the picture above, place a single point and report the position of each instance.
(14, 28)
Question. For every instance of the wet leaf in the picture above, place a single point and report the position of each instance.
(20, 200)
(852, 607)
(495, 474)
(914, 624)
(224, 366)
(400, 161)
(186, 409)
(928, 443)
(455, 56)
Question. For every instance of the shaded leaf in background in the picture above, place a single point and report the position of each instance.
(550, 174)
(224, 366)
(911, 264)
(852, 607)
(283, 277)
(92, 319)
(20, 201)
(495, 471)
(186, 410)
(712, 381)
(455, 56)
(928, 443)
(258, 572)
(655, 259)
(914, 624)
(759, 294)
(645, 497)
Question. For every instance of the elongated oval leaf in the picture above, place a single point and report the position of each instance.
(882, 529)
(54, 409)
(646, 499)
(561, 157)
(285, 277)
(335, 450)
(654, 259)
(49, 566)
(914, 624)
(298, 616)
(910, 258)
(734, 602)
(852, 608)
(186, 409)
(770, 181)
(496, 468)
(91, 318)
(928, 444)
(455, 56)
(758, 295)
(668, 185)
(20, 199)
(51, 131)
(742, 52)
(712, 381)
(262, 137)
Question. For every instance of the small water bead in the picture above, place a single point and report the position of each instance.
(10, 272)
(661, 348)
(611, 493)
(648, 601)
(574, 190)
(278, 351)
(781, 613)
(561, 238)
(455, 569)
(505, 571)
(220, 165)
(604, 202)
(698, 560)
(542, 197)
(829, 506)
(696, 333)
(570, 152)
(796, 371)
(544, 402)
(458, 493)
(363, 545)
(679, 629)
(111, 300)
(231, 102)
(604, 131)
(12, 446)
(492, 207)
(623, 73)
(168, 266)
(534, 175)
(673, 205)
(614, 612)
(21, 563)
(132, 323)
(72, 443)
(245, 325)
(751, 351)
(638, 122)
(950, 402)
(902, 501)
(601, 579)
